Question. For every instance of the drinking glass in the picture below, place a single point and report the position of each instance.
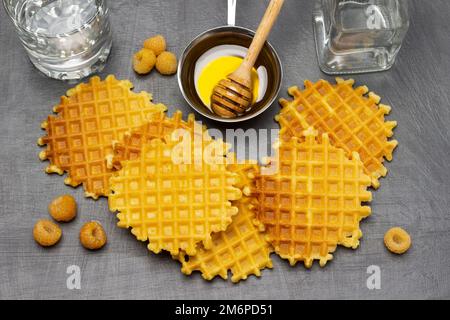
(356, 36)
(65, 39)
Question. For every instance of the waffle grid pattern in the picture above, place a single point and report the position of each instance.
(242, 248)
(174, 206)
(314, 201)
(88, 120)
(159, 126)
(353, 117)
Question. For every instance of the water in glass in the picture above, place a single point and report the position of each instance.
(65, 39)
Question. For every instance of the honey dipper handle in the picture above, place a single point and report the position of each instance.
(263, 32)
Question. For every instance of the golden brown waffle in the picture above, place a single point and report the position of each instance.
(173, 205)
(159, 126)
(313, 202)
(88, 120)
(241, 248)
(353, 118)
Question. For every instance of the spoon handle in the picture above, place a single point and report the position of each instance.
(263, 32)
(232, 12)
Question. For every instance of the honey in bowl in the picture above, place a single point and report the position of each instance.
(217, 63)
(217, 70)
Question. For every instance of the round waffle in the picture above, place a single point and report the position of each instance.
(173, 205)
(314, 200)
(242, 248)
(88, 120)
(353, 118)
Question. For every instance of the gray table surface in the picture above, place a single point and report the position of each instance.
(414, 195)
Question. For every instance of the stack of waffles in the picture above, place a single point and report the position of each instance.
(184, 193)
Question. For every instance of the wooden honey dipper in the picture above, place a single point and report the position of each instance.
(233, 96)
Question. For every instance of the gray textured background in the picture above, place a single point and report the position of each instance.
(415, 194)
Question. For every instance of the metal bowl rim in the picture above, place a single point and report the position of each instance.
(217, 118)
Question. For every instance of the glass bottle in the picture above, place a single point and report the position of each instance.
(357, 36)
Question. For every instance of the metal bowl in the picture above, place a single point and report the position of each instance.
(228, 35)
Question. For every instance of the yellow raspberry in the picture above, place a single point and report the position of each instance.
(166, 63)
(157, 44)
(397, 240)
(92, 235)
(46, 233)
(63, 208)
(144, 61)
